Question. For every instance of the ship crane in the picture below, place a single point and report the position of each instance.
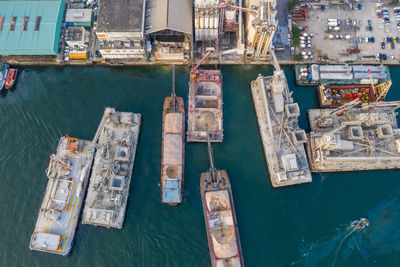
(340, 110)
(194, 68)
(212, 171)
(173, 95)
(380, 89)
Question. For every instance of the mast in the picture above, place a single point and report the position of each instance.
(173, 95)
(210, 156)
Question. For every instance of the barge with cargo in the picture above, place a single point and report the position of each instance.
(205, 106)
(173, 149)
(315, 74)
(220, 217)
(68, 174)
(116, 140)
(282, 138)
(354, 137)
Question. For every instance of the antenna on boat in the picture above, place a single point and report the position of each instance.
(173, 95)
(210, 155)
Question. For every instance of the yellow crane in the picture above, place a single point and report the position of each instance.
(380, 90)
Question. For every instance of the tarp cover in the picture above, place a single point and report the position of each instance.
(173, 123)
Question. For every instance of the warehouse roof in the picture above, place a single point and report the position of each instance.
(30, 27)
(121, 16)
(173, 15)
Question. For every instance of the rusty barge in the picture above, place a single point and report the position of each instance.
(173, 148)
(220, 217)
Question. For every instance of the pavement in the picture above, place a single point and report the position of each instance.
(281, 34)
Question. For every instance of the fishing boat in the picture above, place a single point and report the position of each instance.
(3, 75)
(11, 77)
(173, 148)
(219, 215)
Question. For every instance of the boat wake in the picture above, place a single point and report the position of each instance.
(326, 253)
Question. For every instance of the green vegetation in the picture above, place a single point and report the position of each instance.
(297, 57)
(296, 31)
(394, 2)
(291, 4)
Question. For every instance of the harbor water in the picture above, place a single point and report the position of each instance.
(304, 225)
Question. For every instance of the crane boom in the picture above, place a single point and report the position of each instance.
(194, 68)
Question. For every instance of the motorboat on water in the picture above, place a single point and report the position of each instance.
(3, 75)
(11, 78)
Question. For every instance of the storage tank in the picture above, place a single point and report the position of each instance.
(197, 22)
(216, 21)
(202, 22)
(206, 21)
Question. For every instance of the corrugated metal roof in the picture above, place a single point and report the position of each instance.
(170, 15)
(31, 42)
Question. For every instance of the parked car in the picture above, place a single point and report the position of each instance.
(369, 22)
(372, 39)
(383, 45)
(392, 45)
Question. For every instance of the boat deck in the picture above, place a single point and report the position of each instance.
(220, 219)
(360, 138)
(68, 173)
(116, 141)
(282, 138)
(173, 153)
(205, 106)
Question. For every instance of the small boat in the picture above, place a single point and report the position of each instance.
(219, 215)
(173, 148)
(362, 223)
(3, 75)
(11, 77)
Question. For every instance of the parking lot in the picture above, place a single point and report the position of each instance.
(358, 35)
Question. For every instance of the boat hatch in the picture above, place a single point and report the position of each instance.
(172, 190)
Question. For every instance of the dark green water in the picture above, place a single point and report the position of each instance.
(297, 226)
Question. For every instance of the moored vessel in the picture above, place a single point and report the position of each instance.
(11, 77)
(68, 174)
(173, 148)
(337, 95)
(3, 75)
(220, 217)
(315, 74)
(116, 141)
(205, 105)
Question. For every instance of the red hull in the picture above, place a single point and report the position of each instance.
(12, 76)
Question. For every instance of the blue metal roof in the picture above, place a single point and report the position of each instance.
(31, 42)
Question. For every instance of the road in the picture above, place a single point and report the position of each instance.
(281, 35)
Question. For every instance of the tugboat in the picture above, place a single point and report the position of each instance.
(173, 148)
(11, 77)
(219, 215)
(3, 75)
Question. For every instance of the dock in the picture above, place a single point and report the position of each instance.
(282, 138)
(116, 141)
(354, 137)
(68, 174)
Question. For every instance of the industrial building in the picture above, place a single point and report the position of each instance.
(260, 27)
(219, 28)
(30, 27)
(120, 29)
(79, 17)
(169, 29)
(77, 37)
